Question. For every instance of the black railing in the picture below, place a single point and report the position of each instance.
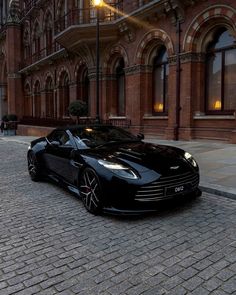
(53, 122)
(37, 56)
(85, 16)
(46, 122)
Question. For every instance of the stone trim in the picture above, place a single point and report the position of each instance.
(215, 117)
(200, 21)
(136, 69)
(155, 117)
(155, 34)
(188, 57)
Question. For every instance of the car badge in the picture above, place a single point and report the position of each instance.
(174, 167)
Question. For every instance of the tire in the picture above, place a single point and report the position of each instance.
(90, 191)
(33, 167)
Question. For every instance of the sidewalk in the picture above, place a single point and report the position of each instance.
(217, 162)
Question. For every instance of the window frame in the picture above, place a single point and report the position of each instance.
(209, 53)
(159, 65)
(120, 73)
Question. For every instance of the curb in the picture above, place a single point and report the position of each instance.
(218, 192)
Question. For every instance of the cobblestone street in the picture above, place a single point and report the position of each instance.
(50, 245)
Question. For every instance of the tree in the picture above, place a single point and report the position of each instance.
(78, 108)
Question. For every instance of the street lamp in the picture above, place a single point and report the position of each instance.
(97, 4)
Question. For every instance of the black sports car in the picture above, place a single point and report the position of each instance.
(113, 170)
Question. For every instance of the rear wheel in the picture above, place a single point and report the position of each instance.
(33, 167)
(90, 191)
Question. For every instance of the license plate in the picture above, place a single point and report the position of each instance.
(174, 190)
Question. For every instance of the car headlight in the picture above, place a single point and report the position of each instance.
(190, 158)
(119, 169)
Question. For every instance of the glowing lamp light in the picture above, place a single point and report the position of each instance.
(97, 3)
(158, 107)
(217, 105)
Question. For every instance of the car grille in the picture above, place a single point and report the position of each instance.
(156, 190)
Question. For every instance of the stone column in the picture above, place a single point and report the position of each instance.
(13, 49)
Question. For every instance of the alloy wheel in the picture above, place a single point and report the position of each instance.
(33, 166)
(90, 191)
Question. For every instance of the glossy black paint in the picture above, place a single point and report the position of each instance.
(65, 160)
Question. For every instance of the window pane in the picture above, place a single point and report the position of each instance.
(166, 88)
(225, 39)
(230, 80)
(214, 82)
(158, 102)
(121, 95)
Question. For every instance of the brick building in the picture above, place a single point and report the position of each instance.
(166, 66)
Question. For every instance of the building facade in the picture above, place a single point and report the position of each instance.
(167, 67)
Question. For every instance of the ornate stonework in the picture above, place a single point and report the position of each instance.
(14, 11)
(188, 57)
(138, 69)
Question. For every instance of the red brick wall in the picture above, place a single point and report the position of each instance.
(136, 44)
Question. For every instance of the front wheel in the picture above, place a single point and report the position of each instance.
(90, 191)
(33, 167)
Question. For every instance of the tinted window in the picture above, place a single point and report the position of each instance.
(60, 136)
(99, 135)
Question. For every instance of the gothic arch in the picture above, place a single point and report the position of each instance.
(152, 38)
(48, 75)
(112, 56)
(48, 19)
(35, 82)
(79, 68)
(202, 23)
(60, 9)
(37, 98)
(28, 106)
(61, 72)
(27, 85)
(36, 29)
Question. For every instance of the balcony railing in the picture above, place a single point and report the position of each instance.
(54, 122)
(43, 53)
(88, 16)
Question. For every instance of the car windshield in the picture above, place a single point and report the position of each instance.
(94, 136)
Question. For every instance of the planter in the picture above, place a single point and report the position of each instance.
(9, 132)
(10, 128)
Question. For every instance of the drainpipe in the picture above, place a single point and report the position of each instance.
(178, 71)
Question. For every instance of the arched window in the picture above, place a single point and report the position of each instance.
(120, 84)
(160, 82)
(61, 15)
(36, 42)
(83, 85)
(221, 73)
(37, 100)
(26, 42)
(28, 107)
(64, 95)
(48, 33)
(49, 98)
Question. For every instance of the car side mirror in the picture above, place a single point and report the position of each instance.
(140, 136)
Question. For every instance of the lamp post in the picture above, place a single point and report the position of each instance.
(97, 4)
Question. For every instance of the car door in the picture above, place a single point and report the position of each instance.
(58, 154)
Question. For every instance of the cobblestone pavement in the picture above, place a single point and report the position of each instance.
(50, 245)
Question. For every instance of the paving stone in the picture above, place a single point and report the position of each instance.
(230, 286)
(51, 245)
(193, 283)
(212, 284)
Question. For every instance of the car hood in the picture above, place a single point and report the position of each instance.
(141, 156)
